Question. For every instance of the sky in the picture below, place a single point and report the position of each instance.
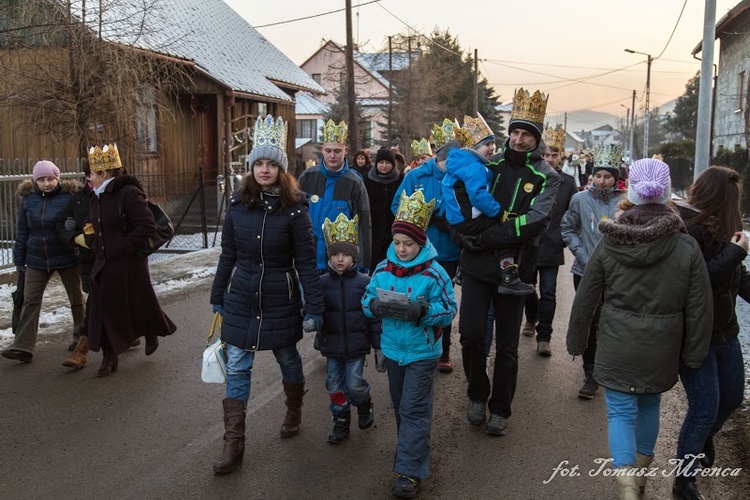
(562, 47)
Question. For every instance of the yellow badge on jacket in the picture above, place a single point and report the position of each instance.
(314, 198)
(528, 187)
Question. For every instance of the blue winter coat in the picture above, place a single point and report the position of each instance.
(37, 245)
(428, 179)
(414, 341)
(466, 187)
(266, 251)
(347, 332)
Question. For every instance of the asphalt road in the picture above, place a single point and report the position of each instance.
(153, 429)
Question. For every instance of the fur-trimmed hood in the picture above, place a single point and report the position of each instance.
(28, 186)
(642, 235)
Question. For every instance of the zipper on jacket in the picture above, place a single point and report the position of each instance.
(41, 228)
(343, 317)
(260, 282)
(515, 195)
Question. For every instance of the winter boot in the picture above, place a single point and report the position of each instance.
(685, 488)
(627, 484)
(366, 415)
(77, 358)
(444, 364)
(529, 329)
(294, 393)
(511, 284)
(234, 436)
(340, 427)
(589, 387)
(643, 462)
(109, 363)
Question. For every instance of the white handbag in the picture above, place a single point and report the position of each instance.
(214, 370)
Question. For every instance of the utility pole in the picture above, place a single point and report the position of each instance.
(648, 99)
(703, 132)
(390, 90)
(632, 131)
(350, 91)
(565, 121)
(476, 82)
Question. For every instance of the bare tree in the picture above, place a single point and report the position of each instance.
(74, 71)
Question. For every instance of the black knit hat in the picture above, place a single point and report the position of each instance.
(533, 128)
(385, 154)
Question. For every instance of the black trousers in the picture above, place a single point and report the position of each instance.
(476, 296)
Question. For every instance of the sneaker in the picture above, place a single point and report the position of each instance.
(589, 388)
(511, 284)
(444, 364)
(543, 349)
(22, 356)
(476, 414)
(529, 329)
(405, 486)
(496, 425)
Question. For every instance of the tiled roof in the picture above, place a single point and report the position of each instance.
(208, 32)
(307, 104)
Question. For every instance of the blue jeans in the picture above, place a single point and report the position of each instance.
(713, 392)
(633, 425)
(240, 368)
(541, 310)
(346, 384)
(412, 389)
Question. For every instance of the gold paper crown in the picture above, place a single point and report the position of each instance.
(529, 107)
(608, 156)
(414, 210)
(310, 163)
(106, 158)
(270, 132)
(334, 133)
(555, 137)
(473, 131)
(342, 229)
(444, 133)
(421, 147)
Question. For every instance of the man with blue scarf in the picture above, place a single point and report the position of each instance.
(336, 189)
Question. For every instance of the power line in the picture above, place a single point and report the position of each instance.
(312, 16)
(673, 30)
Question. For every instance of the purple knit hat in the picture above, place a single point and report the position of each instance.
(649, 182)
(45, 168)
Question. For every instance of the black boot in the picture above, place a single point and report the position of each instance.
(511, 284)
(340, 427)
(685, 488)
(589, 388)
(234, 436)
(366, 415)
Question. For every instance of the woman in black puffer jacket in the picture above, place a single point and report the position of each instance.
(267, 251)
(715, 389)
(38, 254)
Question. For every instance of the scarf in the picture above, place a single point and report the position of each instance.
(388, 178)
(402, 272)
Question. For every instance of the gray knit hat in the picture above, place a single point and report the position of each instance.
(267, 153)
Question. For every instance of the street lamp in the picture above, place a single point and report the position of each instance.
(648, 96)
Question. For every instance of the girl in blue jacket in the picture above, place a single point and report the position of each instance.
(410, 340)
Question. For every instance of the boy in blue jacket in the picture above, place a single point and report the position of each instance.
(347, 333)
(467, 197)
(413, 296)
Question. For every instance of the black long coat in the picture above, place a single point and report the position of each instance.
(266, 251)
(123, 302)
(551, 242)
(381, 197)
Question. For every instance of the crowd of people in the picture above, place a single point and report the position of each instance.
(367, 257)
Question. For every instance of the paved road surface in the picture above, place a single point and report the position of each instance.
(152, 430)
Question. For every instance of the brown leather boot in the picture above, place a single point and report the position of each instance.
(294, 393)
(109, 364)
(234, 436)
(77, 358)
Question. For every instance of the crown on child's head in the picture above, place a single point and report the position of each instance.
(342, 229)
(415, 210)
(474, 131)
(444, 133)
(421, 147)
(608, 156)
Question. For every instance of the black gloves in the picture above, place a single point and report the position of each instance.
(413, 310)
(441, 223)
(472, 243)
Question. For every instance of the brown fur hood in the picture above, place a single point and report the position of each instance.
(643, 224)
(28, 186)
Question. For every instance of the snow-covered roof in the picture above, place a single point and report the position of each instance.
(574, 136)
(379, 61)
(307, 104)
(208, 32)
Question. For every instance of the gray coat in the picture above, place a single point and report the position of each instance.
(580, 223)
(657, 308)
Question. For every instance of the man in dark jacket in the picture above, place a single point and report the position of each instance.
(550, 255)
(336, 189)
(525, 187)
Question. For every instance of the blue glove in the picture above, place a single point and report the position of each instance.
(317, 320)
(218, 308)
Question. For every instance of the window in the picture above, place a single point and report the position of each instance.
(740, 92)
(367, 135)
(316, 78)
(145, 125)
(307, 129)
